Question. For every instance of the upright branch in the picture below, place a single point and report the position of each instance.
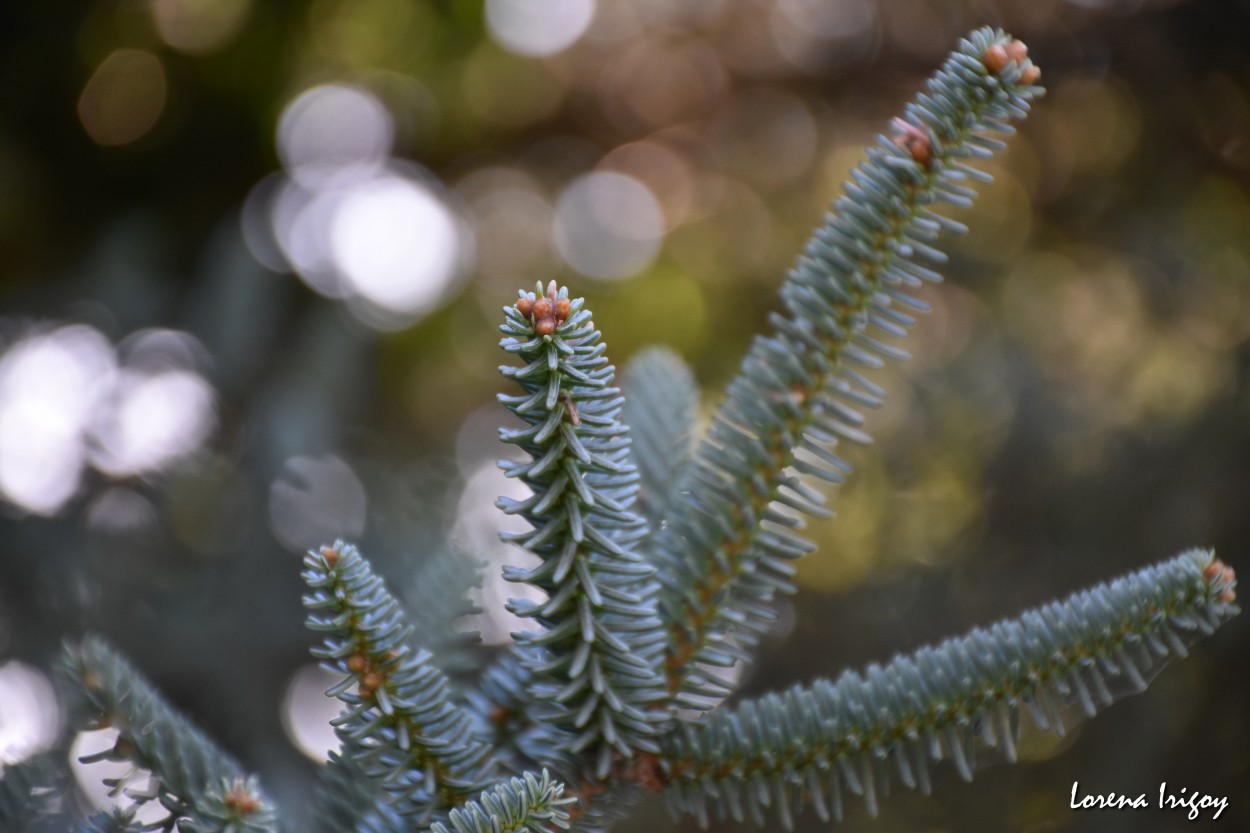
(596, 660)
(661, 406)
(728, 548)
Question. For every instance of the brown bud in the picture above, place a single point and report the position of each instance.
(526, 306)
(994, 58)
(371, 682)
(542, 308)
(356, 663)
(915, 141)
(241, 800)
(330, 554)
(1030, 74)
(563, 308)
(649, 772)
(1017, 51)
(545, 326)
(1212, 570)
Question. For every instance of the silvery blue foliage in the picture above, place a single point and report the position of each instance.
(656, 562)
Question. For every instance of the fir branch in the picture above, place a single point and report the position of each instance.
(185, 764)
(729, 547)
(381, 819)
(30, 793)
(515, 723)
(660, 408)
(344, 794)
(596, 662)
(943, 702)
(435, 596)
(116, 820)
(401, 723)
(521, 805)
(232, 807)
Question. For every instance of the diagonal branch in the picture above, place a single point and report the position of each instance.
(942, 702)
(189, 769)
(729, 548)
(401, 723)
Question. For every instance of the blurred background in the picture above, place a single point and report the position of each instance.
(252, 257)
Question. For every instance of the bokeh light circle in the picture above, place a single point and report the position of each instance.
(124, 98)
(537, 28)
(152, 419)
(607, 225)
(331, 132)
(315, 500)
(307, 712)
(396, 244)
(199, 26)
(50, 384)
(31, 717)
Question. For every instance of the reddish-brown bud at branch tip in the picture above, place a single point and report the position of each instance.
(547, 314)
(994, 58)
(1220, 574)
(241, 800)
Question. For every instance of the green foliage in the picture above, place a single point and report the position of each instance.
(943, 702)
(729, 547)
(232, 807)
(597, 659)
(344, 793)
(400, 724)
(593, 694)
(30, 794)
(660, 408)
(436, 595)
(110, 821)
(521, 805)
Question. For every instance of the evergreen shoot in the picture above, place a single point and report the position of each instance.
(399, 723)
(596, 659)
(200, 786)
(657, 556)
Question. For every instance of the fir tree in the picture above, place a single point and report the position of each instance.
(657, 559)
